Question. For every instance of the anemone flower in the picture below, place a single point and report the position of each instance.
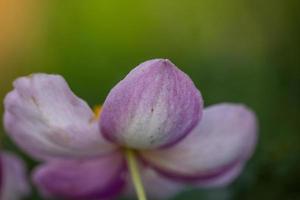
(152, 133)
(13, 181)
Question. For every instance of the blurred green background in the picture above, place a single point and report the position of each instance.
(235, 51)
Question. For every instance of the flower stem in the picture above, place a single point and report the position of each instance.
(135, 174)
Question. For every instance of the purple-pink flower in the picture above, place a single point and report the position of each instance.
(13, 180)
(155, 112)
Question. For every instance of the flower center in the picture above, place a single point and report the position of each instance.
(97, 112)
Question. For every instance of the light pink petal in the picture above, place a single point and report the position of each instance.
(46, 119)
(14, 184)
(156, 186)
(222, 180)
(156, 105)
(91, 179)
(224, 139)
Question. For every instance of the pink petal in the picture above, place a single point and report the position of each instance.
(92, 179)
(224, 139)
(155, 105)
(223, 179)
(14, 184)
(47, 120)
(156, 186)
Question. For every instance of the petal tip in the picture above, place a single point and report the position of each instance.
(157, 63)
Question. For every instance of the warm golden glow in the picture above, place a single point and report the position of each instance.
(19, 26)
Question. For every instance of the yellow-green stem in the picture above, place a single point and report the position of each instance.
(135, 174)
